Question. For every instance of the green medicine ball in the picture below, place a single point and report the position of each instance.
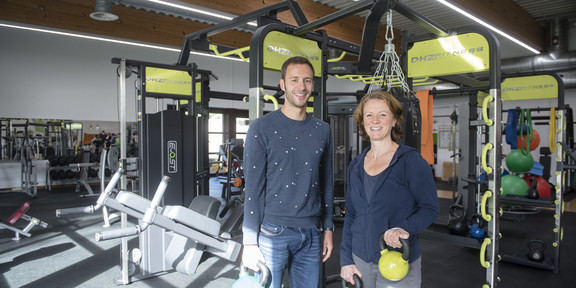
(519, 162)
(514, 186)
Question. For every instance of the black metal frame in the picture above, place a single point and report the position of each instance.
(199, 177)
(494, 133)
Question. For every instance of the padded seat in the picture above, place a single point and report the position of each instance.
(193, 220)
(19, 213)
(134, 201)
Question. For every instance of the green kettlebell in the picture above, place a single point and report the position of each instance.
(393, 265)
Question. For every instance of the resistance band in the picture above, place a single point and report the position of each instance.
(525, 119)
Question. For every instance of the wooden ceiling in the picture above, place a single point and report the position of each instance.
(147, 26)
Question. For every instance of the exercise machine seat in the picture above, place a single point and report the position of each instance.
(16, 215)
(232, 227)
(193, 220)
(134, 201)
(184, 254)
(205, 205)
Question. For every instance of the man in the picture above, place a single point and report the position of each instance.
(289, 191)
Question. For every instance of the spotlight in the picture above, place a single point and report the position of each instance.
(103, 11)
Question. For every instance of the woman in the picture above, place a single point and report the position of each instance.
(390, 190)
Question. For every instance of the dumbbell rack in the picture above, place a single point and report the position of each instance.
(68, 173)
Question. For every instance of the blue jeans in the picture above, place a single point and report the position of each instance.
(298, 249)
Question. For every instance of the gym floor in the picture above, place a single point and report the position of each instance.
(66, 255)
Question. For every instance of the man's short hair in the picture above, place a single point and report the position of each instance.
(295, 60)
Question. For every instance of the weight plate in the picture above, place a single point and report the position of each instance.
(113, 158)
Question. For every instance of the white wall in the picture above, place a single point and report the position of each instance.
(52, 76)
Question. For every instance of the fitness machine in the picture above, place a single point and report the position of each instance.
(186, 233)
(21, 214)
(172, 142)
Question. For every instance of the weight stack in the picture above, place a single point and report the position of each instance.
(169, 150)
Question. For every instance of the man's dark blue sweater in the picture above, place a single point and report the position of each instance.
(288, 173)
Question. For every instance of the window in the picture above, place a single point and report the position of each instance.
(241, 128)
(215, 134)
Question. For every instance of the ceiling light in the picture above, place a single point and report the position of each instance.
(104, 39)
(481, 22)
(103, 11)
(191, 9)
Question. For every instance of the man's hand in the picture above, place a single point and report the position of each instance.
(347, 273)
(327, 245)
(251, 256)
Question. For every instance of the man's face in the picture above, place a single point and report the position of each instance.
(297, 85)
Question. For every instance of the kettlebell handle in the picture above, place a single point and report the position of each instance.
(357, 280)
(536, 244)
(477, 219)
(263, 269)
(405, 247)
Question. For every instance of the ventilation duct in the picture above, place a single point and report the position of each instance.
(557, 59)
(103, 11)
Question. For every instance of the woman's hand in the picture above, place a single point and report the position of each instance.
(392, 237)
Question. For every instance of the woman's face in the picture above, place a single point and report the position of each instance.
(378, 119)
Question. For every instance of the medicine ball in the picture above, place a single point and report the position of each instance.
(533, 144)
(514, 186)
(542, 185)
(519, 161)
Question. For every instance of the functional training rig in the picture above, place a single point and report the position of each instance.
(416, 62)
(515, 87)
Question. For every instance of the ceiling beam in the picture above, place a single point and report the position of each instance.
(348, 29)
(147, 26)
(507, 16)
(133, 24)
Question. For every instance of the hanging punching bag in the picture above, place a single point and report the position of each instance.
(412, 117)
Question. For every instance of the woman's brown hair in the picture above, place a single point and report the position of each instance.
(395, 108)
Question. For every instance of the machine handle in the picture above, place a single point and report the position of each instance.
(487, 99)
(485, 197)
(117, 233)
(151, 211)
(75, 210)
(268, 97)
(159, 194)
(109, 188)
(114, 180)
(485, 166)
(483, 261)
